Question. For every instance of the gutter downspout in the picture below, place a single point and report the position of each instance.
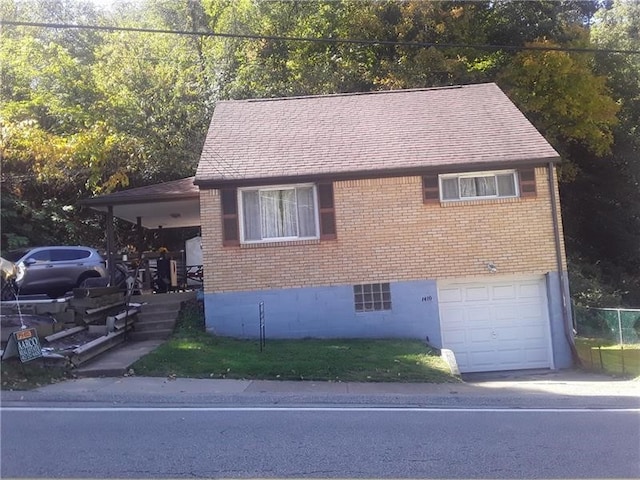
(566, 317)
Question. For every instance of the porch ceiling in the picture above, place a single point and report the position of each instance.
(173, 204)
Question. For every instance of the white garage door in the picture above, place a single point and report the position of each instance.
(496, 324)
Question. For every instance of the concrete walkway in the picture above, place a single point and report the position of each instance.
(563, 382)
(116, 362)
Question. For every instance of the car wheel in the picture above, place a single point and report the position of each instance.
(86, 280)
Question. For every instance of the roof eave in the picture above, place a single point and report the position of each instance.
(217, 183)
(105, 200)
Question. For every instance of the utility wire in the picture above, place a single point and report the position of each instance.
(316, 40)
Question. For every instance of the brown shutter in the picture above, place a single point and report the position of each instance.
(430, 191)
(230, 230)
(327, 212)
(527, 178)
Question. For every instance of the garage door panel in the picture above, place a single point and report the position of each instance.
(484, 360)
(455, 337)
(511, 334)
(510, 357)
(504, 292)
(497, 324)
(456, 318)
(506, 313)
(450, 295)
(537, 358)
(479, 335)
(476, 294)
(529, 310)
(529, 290)
(479, 316)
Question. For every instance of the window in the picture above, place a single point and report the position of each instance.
(478, 185)
(39, 256)
(278, 213)
(68, 255)
(308, 211)
(372, 296)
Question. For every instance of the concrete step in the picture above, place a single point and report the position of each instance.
(160, 313)
(160, 307)
(137, 336)
(96, 347)
(117, 361)
(155, 324)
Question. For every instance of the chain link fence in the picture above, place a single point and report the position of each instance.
(608, 339)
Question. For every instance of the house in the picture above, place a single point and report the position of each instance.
(429, 214)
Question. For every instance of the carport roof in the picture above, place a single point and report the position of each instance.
(173, 204)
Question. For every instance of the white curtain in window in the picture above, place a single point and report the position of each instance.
(478, 186)
(506, 185)
(278, 212)
(306, 212)
(468, 187)
(486, 186)
(251, 215)
(450, 189)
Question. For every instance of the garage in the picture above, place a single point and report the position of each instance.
(497, 324)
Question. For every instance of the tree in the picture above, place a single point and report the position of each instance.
(563, 97)
(83, 112)
(604, 201)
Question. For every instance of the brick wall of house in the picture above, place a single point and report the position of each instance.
(386, 233)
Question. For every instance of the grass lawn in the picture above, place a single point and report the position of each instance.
(193, 353)
(33, 374)
(599, 354)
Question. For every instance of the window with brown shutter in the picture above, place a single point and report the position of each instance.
(527, 182)
(430, 193)
(485, 185)
(230, 230)
(327, 212)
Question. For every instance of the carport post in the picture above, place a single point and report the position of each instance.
(140, 245)
(112, 270)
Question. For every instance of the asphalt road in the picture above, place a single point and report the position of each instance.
(329, 441)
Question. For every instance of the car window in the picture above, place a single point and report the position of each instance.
(40, 256)
(67, 254)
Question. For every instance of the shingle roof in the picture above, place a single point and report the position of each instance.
(183, 188)
(439, 128)
(169, 205)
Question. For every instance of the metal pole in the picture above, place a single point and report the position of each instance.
(619, 325)
(261, 319)
(110, 246)
(600, 353)
(140, 238)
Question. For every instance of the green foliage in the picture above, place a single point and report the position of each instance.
(190, 321)
(590, 286)
(561, 95)
(85, 112)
